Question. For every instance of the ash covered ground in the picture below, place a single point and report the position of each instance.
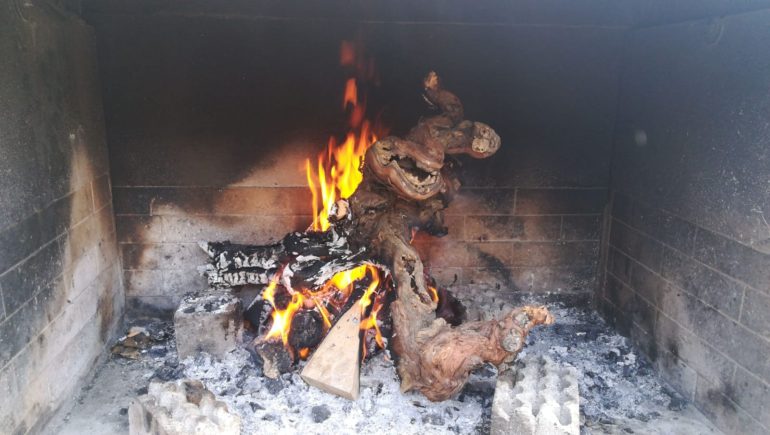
(619, 392)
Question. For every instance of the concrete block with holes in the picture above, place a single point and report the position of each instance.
(210, 321)
(536, 397)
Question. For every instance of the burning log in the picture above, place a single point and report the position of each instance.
(405, 186)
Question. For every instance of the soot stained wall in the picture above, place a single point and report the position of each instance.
(209, 121)
(688, 264)
(61, 298)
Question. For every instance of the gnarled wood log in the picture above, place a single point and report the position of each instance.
(434, 357)
(407, 184)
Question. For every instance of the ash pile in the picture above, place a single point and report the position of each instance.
(618, 390)
(209, 342)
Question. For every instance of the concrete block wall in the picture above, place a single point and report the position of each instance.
(687, 258)
(61, 298)
(215, 147)
(697, 304)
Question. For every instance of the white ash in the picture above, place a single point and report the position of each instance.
(288, 404)
(619, 392)
(206, 301)
(619, 389)
(615, 384)
(303, 258)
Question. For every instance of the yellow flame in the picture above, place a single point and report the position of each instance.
(282, 318)
(336, 291)
(337, 173)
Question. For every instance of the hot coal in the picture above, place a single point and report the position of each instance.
(320, 413)
(306, 329)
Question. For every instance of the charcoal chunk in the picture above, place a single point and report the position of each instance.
(320, 413)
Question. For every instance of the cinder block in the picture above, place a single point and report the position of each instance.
(756, 312)
(208, 322)
(475, 202)
(179, 408)
(702, 282)
(539, 397)
(139, 229)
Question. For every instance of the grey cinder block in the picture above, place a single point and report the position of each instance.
(210, 322)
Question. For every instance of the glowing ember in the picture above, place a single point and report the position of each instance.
(433, 293)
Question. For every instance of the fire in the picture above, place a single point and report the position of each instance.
(336, 175)
(351, 94)
(281, 317)
(433, 293)
(370, 322)
(337, 171)
(334, 293)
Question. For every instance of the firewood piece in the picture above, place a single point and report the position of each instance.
(334, 366)
(276, 358)
(312, 259)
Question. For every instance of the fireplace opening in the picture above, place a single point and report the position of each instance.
(438, 217)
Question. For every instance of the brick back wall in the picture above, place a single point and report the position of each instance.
(531, 240)
(158, 233)
(687, 253)
(534, 240)
(61, 296)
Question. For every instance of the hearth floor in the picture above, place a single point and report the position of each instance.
(619, 392)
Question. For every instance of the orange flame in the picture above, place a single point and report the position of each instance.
(337, 173)
(351, 94)
(433, 293)
(336, 292)
(281, 317)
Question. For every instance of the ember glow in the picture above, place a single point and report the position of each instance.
(433, 293)
(336, 173)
